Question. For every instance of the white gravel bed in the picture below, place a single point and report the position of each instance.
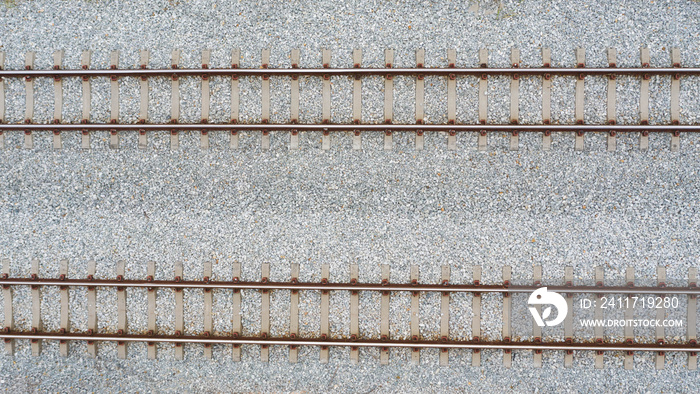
(431, 208)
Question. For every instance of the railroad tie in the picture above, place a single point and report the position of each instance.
(546, 99)
(536, 329)
(121, 309)
(388, 99)
(175, 100)
(660, 358)
(294, 102)
(114, 100)
(483, 99)
(9, 315)
(598, 313)
(580, 96)
(143, 106)
(644, 100)
(692, 328)
(326, 108)
(675, 99)
(87, 99)
(92, 309)
(29, 100)
(451, 99)
(58, 98)
(569, 320)
(357, 99)
(37, 324)
(208, 304)
(611, 102)
(265, 100)
(294, 315)
(354, 314)
(384, 326)
(235, 97)
(445, 316)
(179, 312)
(204, 134)
(476, 318)
(629, 315)
(420, 98)
(2, 100)
(514, 98)
(65, 308)
(415, 315)
(152, 311)
(237, 326)
(265, 313)
(507, 313)
(325, 305)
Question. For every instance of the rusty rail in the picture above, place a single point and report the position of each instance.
(386, 286)
(351, 72)
(690, 347)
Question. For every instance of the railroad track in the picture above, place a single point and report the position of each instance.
(326, 339)
(451, 73)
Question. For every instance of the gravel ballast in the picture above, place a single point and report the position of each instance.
(433, 207)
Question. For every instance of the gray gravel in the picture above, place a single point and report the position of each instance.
(430, 208)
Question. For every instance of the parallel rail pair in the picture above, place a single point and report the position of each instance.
(675, 73)
(326, 339)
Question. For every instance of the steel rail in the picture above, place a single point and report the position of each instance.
(429, 344)
(478, 71)
(451, 288)
(350, 127)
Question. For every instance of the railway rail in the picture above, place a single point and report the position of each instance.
(579, 72)
(326, 339)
